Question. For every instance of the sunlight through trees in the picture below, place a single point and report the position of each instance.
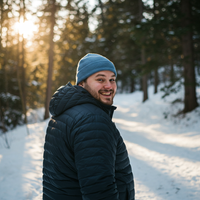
(150, 42)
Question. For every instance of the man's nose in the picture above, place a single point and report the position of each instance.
(107, 85)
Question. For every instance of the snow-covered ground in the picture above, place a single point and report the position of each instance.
(164, 150)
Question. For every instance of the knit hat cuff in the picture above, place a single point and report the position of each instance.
(91, 64)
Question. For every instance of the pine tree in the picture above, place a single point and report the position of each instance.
(52, 5)
(75, 41)
(10, 102)
(190, 100)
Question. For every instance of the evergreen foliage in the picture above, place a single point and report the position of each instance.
(142, 39)
(73, 44)
(10, 111)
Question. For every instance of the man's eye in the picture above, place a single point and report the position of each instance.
(100, 79)
(112, 80)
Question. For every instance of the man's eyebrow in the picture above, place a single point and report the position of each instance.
(104, 75)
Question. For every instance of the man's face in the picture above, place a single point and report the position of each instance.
(101, 86)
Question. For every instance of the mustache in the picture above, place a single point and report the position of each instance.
(106, 90)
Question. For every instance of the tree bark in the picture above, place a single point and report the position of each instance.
(2, 61)
(144, 86)
(23, 85)
(172, 76)
(155, 81)
(51, 55)
(23, 62)
(102, 14)
(144, 77)
(156, 69)
(20, 67)
(1, 24)
(132, 85)
(143, 57)
(190, 100)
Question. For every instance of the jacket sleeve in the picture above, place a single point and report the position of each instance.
(95, 152)
(123, 173)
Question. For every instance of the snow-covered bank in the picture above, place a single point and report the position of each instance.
(21, 165)
(164, 151)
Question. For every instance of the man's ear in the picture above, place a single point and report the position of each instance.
(81, 84)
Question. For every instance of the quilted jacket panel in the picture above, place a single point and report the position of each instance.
(85, 157)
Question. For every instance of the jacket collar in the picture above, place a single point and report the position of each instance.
(107, 108)
(68, 96)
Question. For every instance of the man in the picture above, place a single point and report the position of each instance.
(85, 157)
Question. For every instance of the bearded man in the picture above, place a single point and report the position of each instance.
(85, 157)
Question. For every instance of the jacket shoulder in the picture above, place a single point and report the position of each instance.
(79, 112)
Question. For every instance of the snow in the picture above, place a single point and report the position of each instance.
(164, 150)
(8, 95)
(21, 165)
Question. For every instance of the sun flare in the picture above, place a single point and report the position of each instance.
(26, 28)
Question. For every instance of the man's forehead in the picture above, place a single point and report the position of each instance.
(105, 73)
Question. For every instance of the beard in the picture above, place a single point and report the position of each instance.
(99, 95)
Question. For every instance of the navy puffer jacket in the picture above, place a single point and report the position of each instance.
(85, 157)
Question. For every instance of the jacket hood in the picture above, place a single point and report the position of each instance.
(68, 96)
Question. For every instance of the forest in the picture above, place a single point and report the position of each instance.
(151, 42)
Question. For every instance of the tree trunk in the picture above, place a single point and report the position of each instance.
(5, 53)
(23, 85)
(144, 86)
(144, 78)
(190, 101)
(2, 67)
(1, 24)
(50, 67)
(172, 77)
(143, 59)
(102, 14)
(155, 81)
(139, 14)
(132, 85)
(20, 67)
(156, 69)
(5, 62)
(23, 57)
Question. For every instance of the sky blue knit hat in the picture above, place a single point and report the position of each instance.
(92, 63)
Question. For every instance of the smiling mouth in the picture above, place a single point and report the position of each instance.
(106, 93)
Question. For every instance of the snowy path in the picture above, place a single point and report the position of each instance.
(165, 157)
(21, 165)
